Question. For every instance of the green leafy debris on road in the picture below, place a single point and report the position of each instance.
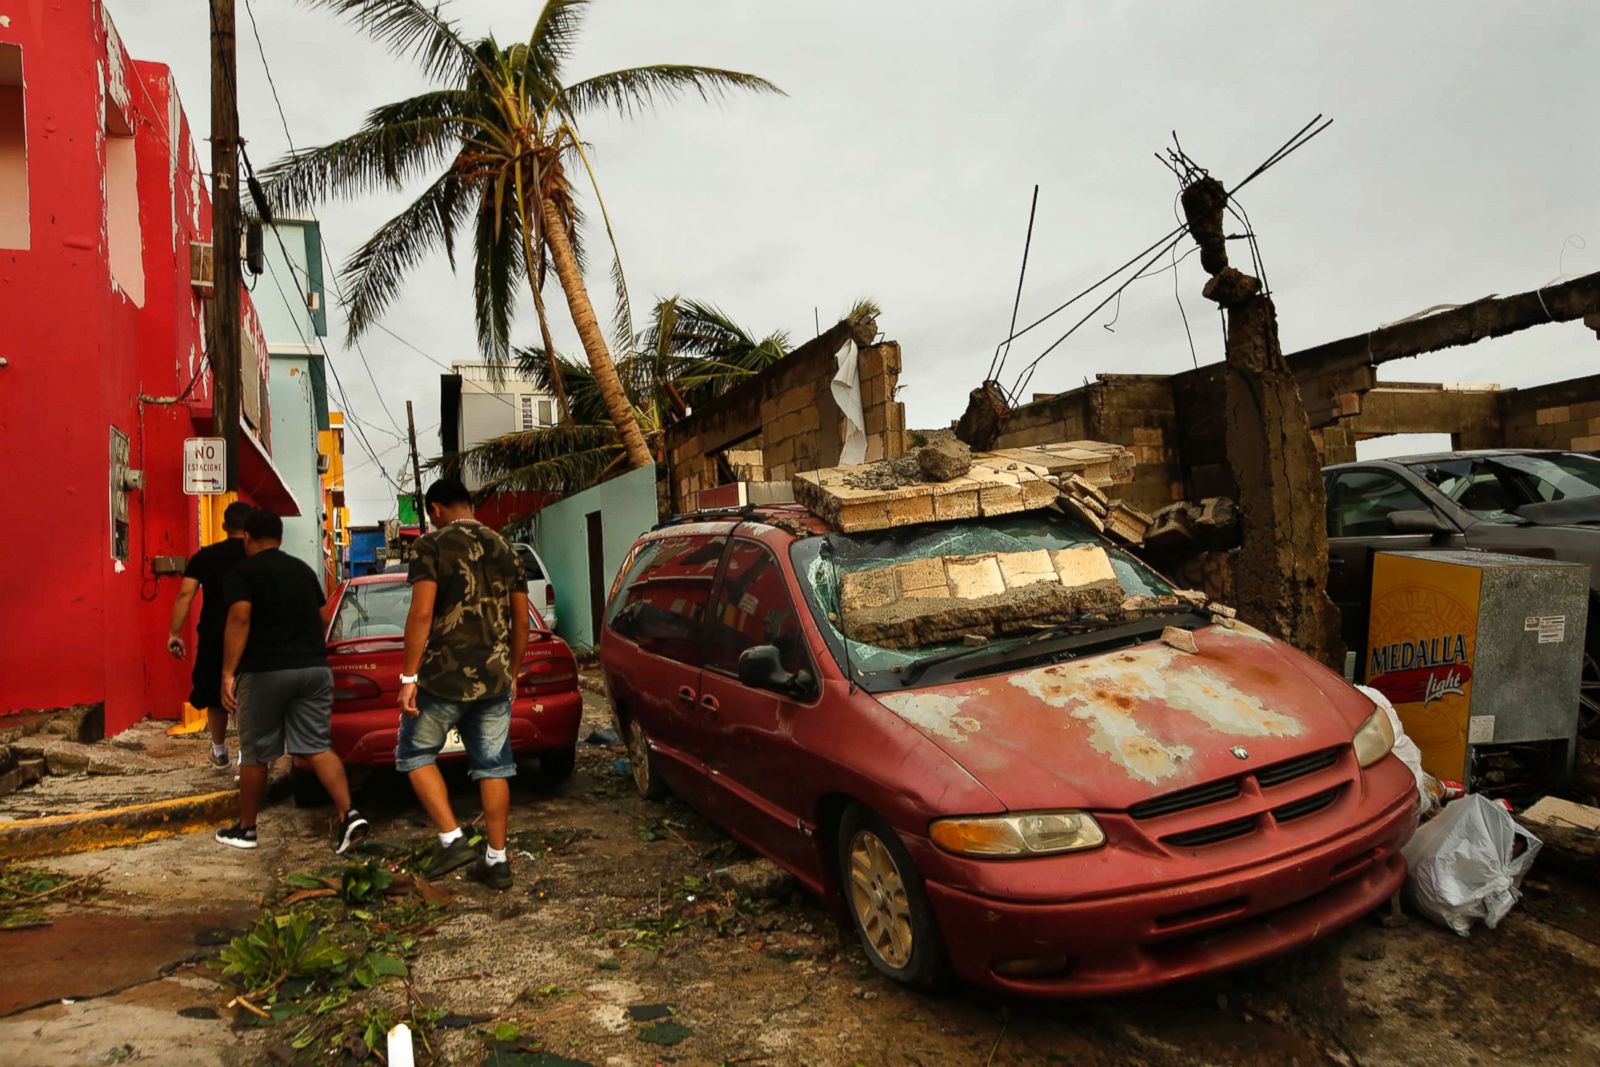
(26, 891)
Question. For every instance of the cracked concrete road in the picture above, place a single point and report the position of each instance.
(615, 908)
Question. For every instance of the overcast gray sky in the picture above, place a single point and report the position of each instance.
(1462, 161)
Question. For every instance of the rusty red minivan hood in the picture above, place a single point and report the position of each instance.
(1104, 732)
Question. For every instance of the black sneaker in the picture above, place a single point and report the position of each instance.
(237, 836)
(446, 858)
(351, 830)
(221, 762)
(493, 875)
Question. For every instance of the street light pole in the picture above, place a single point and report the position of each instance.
(222, 324)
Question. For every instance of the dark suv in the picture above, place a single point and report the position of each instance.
(1521, 501)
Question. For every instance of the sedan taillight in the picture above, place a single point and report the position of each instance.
(354, 687)
(549, 595)
(546, 675)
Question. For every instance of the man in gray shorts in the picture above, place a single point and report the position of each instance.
(275, 677)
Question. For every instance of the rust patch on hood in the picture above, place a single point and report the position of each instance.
(937, 713)
(1108, 692)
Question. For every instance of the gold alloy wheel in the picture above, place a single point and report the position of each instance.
(638, 757)
(878, 894)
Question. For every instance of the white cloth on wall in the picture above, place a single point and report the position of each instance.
(846, 388)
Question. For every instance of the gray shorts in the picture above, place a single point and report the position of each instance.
(294, 705)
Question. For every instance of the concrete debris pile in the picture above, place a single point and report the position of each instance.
(948, 599)
(945, 481)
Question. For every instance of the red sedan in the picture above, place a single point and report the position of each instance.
(366, 635)
(1089, 808)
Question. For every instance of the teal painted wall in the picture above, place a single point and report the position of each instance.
(627, 507)
(294, 453)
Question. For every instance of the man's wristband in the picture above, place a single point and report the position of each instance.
(408, 679)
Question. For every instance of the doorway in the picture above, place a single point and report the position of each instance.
(597, 577)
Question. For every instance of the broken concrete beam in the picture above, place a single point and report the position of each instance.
(1078, 508)
(1127, 523)
(957, 598)
(1081, 486)
(1217, 524)
(1173, 531)
(944, 459)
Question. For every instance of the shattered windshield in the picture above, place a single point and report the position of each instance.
(1493, 487)
(856, 556)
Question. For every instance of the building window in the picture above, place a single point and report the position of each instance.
(124, 242)
(13, 152)
(544, 414)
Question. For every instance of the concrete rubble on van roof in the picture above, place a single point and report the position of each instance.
(975, 597)
(899, 492)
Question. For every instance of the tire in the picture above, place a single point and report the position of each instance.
(306, 788)
(642, 762)
(556, 767)
(888, 906)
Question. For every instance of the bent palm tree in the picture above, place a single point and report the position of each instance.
(502, 122)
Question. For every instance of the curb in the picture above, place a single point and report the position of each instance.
(133, 824)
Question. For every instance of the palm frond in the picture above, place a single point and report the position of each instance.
(558, 459)
(635, 89)
(551, 44)
(409, 28)
(397, 142)
(496, 278)
(375, 271)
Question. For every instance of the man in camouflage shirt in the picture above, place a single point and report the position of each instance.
(467, 626)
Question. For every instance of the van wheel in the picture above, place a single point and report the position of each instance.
(888, 905)
(306, 788)
(642, 762)
(556, 767)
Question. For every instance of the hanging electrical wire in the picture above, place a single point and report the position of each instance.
(997, 362)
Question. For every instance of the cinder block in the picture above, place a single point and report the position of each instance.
(876, 420)
(869, 589)
(1589, 443)
(956, 504)
(875, 449)
(1548, 416)
(921, 577)
(1082, 566)
(973, 577)
(1147, 435)
(1586, 410)
(1025, 568)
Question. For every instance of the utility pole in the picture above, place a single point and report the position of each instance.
(222, 324)
(416, 471)
(1281, 572)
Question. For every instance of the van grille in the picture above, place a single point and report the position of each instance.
(1210, 835)
(1228, 788)
(1306, 805)
(1289, 770)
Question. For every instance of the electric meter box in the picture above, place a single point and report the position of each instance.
(1478, 649)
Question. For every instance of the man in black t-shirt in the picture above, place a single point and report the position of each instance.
(207, 570)
(275, 678)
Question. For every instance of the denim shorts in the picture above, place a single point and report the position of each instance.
(485, 727)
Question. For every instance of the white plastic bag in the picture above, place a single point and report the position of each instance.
(1409, 753)
(1462, 867)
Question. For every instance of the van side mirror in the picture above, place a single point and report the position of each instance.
(1418, 521)
(761, 667)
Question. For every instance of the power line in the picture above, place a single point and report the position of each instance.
(998, 362)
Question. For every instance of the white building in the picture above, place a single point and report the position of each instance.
(476, 406)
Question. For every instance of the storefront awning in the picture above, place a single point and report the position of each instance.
(260, 481)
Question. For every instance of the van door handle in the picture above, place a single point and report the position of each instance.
(686, 694)
(710, 704)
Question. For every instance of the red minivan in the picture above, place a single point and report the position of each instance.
(366, 633)
(1099, 806)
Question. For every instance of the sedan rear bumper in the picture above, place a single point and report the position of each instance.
(538, 724)
(1122, 944)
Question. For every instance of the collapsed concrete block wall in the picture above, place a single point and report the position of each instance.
(1132, 410)
(785, 419)
(1559, 415)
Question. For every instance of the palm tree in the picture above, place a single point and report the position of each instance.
(502, 123)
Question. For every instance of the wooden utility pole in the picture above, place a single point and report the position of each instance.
(416, 471)
(222, 324)
(1281, 574)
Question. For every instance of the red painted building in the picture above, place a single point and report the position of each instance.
(105, 227)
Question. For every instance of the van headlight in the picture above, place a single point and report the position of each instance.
(1033, 833)
(1375, 738)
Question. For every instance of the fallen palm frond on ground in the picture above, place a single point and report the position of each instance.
(26, 891)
